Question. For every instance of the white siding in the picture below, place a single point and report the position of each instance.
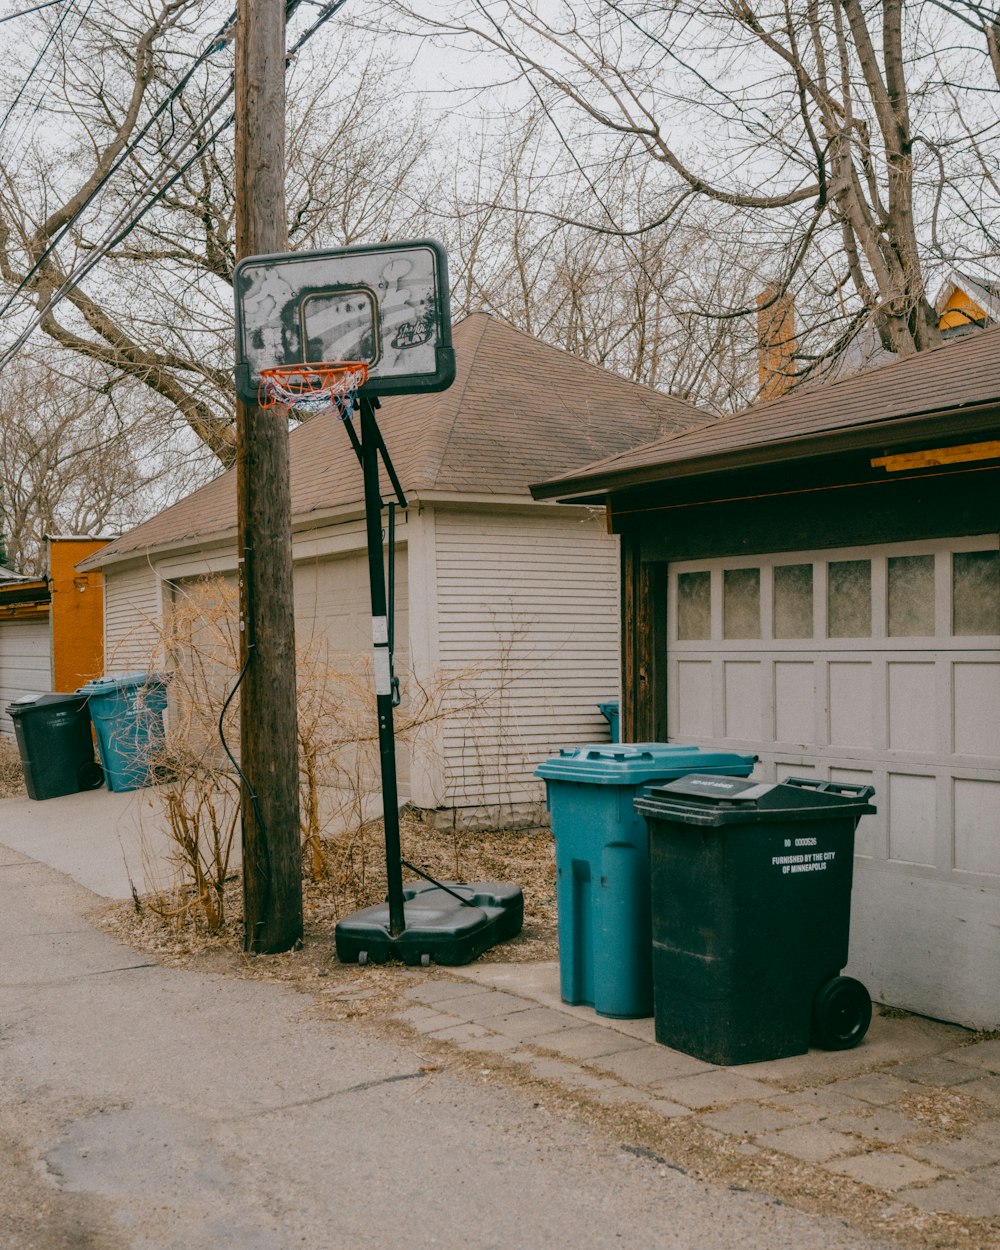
(25, 662)
(528, 611)
(132, 619)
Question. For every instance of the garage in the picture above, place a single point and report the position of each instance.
(817, 580)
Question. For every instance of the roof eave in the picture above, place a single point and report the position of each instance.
(302, 522)
(594, 488)
(36, 591)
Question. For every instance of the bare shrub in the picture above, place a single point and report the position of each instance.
(199, 789)
(339, 758)
(11, 774)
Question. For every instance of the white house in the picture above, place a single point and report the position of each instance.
(520, 596)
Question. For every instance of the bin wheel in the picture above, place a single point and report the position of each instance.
(362, 958)
(90, 775)
(842, 1012)
(425, 960)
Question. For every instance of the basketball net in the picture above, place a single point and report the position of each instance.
(308, 390)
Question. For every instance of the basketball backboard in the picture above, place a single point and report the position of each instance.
(384, 304)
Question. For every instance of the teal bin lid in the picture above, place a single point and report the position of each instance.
(635, 763)
(125, 681)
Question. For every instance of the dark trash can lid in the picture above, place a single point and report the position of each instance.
(708, 800)
(30, 702)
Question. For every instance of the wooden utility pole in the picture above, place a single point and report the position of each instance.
(272, 869)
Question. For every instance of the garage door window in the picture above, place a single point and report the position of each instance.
(741, 603)
(849, 599)
(911, 596)
(793, 601)
(694, 606)
(975, 593)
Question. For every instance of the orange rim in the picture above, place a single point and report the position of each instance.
(292, 385)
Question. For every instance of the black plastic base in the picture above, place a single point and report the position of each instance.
(439, 927)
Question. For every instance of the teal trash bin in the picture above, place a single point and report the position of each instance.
(611, 713)
(127, 713)
(602, 865)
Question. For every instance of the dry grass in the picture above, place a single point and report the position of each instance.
(355, 878)
(11, 776)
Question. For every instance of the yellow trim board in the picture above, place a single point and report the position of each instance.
(938, 455)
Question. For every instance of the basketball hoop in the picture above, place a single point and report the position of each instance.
(310, 389)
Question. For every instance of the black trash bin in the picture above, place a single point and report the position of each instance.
(56, 744)
(751, 903)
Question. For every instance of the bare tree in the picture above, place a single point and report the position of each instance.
(818, 141)
(78, 459)
(525, 247)
(116, 235)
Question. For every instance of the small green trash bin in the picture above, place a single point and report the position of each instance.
(602, 865)
(128, 717)
(56, 745)
(751, 891)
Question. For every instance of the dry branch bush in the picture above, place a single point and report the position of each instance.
(11, 773)
(339, 759)
(200, 790)
(338, 744)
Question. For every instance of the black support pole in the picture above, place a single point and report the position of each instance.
(370, 445)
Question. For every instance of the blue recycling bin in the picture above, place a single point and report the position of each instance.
(127, 712)
(602, 865)
(611, 713)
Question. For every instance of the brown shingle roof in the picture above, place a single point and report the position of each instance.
(867, 407)
(519, 410)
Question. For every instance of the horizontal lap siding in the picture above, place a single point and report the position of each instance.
(25, 663)
(528, 610)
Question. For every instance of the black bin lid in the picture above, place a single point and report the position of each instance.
(28, 703)
(702, 799)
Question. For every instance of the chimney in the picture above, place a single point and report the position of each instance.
(775, 342)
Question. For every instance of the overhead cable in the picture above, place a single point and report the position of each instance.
(117, 232)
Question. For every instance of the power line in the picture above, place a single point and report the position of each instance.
(41, 56)
(24, 12)
(116, 233)
(213, 45)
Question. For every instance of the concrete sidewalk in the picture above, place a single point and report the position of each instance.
(913, 1112)
(912, 1115)
(103, 840)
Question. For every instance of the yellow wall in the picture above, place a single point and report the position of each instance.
(960, 310)
(77, 614)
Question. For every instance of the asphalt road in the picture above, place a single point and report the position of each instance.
(151, 1108)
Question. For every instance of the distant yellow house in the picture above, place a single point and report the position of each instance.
(967, 302)
(964, 304)
(51, 628)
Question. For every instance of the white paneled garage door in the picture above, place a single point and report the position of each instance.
(882, 666)
(25, 662)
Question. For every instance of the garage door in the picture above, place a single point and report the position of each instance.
(882, 666)
(332, 628)
(25, 662)
(333, 622)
